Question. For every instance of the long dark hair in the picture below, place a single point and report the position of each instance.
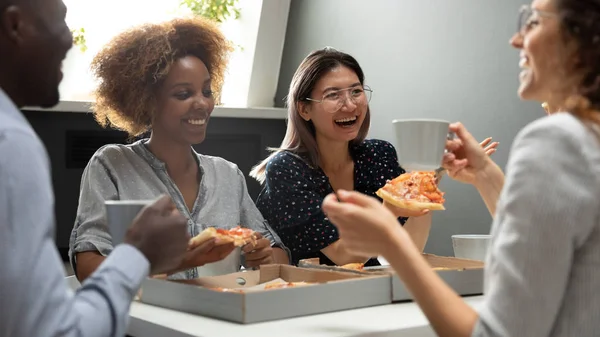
(580, 21)
(300, 134)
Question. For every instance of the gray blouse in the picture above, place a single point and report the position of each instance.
(542, 275)
(132, 172)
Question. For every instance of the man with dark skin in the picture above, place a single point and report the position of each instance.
(36, 301)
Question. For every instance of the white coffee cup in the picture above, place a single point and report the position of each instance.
(120, 215)
(230, 264)
(471, 246)
(421, 143)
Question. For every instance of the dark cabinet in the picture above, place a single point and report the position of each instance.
(71, 138)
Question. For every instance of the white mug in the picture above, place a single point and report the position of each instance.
(230, 264)
(471, 246)
(421, 143)
(120, 215)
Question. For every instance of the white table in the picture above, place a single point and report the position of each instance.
(403, 319)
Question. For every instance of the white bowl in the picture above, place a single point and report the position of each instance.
(471, 246)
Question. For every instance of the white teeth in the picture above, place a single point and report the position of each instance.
(197, 121)
(523, 63)
(523, 75)
(348, 119)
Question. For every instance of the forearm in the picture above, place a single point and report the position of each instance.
(448, 314)
(99, 308)
(110, 289)
(87, 263)
(280, 256)
(418, 229)
(489, 184)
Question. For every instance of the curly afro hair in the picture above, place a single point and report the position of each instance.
(135, 63)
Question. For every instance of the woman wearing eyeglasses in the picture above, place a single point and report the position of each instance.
(542, 274)
(324, 150)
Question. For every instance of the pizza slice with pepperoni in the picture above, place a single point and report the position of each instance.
(415, 190)
(238, 236)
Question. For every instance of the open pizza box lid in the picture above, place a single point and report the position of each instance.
(463, 275)
(255, 304)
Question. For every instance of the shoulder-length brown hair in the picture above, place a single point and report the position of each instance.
(300, 134)
(580, 21)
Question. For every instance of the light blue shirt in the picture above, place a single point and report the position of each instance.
(34, 297)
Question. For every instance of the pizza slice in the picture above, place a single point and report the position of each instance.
(286, 285)
(354, 266)
(415, 190)
(238, 236)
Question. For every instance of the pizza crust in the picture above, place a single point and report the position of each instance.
(409, 204)
(204, 236)
(208, 234)
(212, 232)
(354, 266)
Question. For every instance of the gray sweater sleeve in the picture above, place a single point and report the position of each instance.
(546, 212)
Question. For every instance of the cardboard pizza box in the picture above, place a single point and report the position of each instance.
(332, 291)
(462, 275)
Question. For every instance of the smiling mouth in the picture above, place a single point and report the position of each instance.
(196, 121)
(524, 62)
(346, 122)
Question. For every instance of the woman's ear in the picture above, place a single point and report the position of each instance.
(303, 111)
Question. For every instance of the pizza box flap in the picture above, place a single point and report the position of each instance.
(452, 263)
(296, 274)
(435, 261)
(268, 273)
(235, 280)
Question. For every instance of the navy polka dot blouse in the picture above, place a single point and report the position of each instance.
(293, 193)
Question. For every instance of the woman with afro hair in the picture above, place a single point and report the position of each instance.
(166, 78)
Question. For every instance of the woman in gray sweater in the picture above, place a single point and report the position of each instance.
(543, 269)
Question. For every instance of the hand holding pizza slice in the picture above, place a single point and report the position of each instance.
(414, 191)
(204, 249)
(238, 236)
(258, 252)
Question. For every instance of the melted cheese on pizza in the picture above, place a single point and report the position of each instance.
(286, 285)
(418, 186)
